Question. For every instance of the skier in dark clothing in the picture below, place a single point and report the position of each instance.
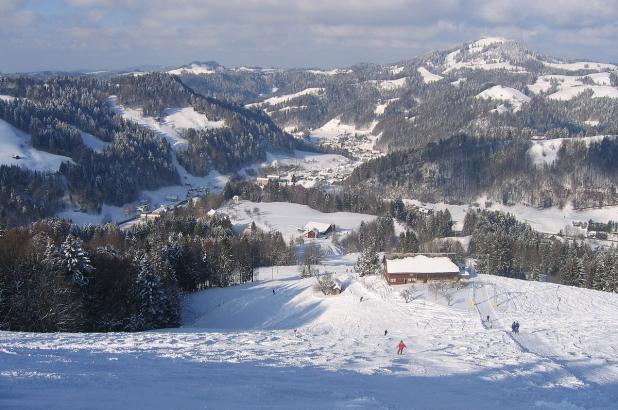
(517, 327)
(361, 298)
(513, 327)
(385, 332)
(273, 291)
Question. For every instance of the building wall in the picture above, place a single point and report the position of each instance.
(402, 278)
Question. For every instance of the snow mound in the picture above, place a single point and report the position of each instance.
(429, 77)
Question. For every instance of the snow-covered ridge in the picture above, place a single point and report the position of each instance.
(173, 121)
(283, 98)
(581, 65)
(194, 68)
(335, 71)
(429, 77)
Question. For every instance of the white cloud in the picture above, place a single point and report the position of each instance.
(292, 32)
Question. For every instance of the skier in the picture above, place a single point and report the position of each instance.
(517, 327)
(400, 347)
(361, 298)
(488, 321)
(513, 327)
(385, 332)
(273, 291)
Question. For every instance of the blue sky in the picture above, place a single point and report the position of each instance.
(111, 34)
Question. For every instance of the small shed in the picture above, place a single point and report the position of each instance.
(318, 229)
(400, 270)
(336, 288)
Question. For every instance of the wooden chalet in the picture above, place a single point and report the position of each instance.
(408, 269)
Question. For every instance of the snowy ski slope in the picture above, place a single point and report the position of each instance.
(238, 348)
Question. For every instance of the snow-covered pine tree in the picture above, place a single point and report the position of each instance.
(75, 261)
(368, 262)
(571, 269)
(150, 296)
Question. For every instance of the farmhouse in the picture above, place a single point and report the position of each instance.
(318, 229)
(398, 271)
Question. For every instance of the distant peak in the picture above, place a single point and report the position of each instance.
(487, 41)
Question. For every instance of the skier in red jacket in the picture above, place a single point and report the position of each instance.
(400, 347)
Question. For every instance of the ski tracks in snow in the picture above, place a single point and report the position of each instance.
(527, 342)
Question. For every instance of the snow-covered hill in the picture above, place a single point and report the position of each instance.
(247, 347)
(16, 149)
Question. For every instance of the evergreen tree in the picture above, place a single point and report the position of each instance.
(75, 261)
(368, 262)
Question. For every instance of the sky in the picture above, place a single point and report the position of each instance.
(116, 34)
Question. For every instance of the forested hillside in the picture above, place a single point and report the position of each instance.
(59, 114)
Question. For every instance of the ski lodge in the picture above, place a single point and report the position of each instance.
(408, 269)
(317, 229)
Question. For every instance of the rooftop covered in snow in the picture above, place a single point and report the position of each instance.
(420, 264)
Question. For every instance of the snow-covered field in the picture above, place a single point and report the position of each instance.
(514, 97)
(14, 142)
(245, 347)
(548, 220)
(284, 98)
(290, 218)
(545, 152)
(568, 86)
(335, 128)
(429, 77)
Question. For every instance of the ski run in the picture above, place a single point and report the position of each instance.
(279, 343)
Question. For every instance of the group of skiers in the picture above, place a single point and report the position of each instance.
(515, 327)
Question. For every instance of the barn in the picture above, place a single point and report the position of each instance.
(318, 229)
(407, 269)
